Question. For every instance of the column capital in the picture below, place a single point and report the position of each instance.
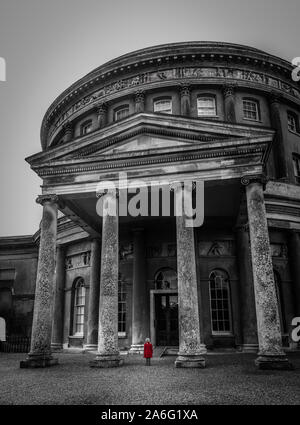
(242, 228)
(254, 178)
(101, 107)
(49, 198)
(275, 97)
(185, 89)
(139, 96)
(229, 90)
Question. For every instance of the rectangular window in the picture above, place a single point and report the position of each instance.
(163, 105)
(251, 110)
(296, 163)
(121, 310)
(206, 106)
(121, 113)
(86, 128)
(292, 123)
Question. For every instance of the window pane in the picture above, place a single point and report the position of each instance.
(220, 301)
(164, 105)
(250, 109)
(122, 113)
(292, 126)
(206, 106)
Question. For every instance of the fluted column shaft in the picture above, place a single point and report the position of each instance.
(140, 316)
(58, 316)
(94, 293)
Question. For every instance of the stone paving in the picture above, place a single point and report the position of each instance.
(227, 379)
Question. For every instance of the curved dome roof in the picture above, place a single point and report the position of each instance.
(119, 67)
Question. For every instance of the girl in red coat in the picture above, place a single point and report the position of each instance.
(148, 351)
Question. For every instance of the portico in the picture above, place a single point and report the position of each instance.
(229, 158)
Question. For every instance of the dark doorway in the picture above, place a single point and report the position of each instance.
(166, 319)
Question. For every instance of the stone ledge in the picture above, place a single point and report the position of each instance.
(273, 363)
(32, 363)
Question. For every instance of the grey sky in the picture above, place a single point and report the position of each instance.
(48, 44)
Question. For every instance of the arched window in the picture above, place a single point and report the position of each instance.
(296, 164)
(278, 287)
(206, 106)
(293, 122)
(220, 305)
(251, 109)
(122, 308)
(166, 279)
(121, 112)
(79, 303)
(163, 105)
(86, 127)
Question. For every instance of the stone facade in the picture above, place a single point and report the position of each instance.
(224, 114)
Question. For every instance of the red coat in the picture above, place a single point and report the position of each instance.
(148, 350)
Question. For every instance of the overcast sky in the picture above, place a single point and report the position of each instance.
(49, 44)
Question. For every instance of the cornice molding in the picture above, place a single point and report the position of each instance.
(137, 65)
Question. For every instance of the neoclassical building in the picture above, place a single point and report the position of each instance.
(224, 114)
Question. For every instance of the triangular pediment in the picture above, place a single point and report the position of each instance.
(146, 135)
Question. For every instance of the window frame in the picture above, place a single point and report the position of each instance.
(119, 109)
(218, 332)
(163, 99)
(207, 96)
(296, 166)
(84, 125)
(79, 285)
(294, 116)
(122, 302)
(257, 109)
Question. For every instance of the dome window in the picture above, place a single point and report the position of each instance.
(86, 127)
(121, 112)
(163, 105)
(251, 109)
(206, 106)
(293, 122)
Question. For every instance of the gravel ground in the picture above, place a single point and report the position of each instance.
(227, 379)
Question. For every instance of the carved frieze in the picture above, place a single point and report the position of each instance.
(278, 250)
(216, 248)
(78, 260)
(126, 251)
(178, 73)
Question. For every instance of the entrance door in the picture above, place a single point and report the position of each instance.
(166, 319)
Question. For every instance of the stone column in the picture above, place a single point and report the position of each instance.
(93, 307)
(68, 127)
(40, 350)
(271, 354)
(58, 315)
(101, 115)
(140, 308)
(185, 100)
(139, 101)
(108, 351)
(279, 140)
(229, 103)
(190, 348)
(294, 258)
(249, 325)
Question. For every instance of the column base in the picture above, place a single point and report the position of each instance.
(249, 348)
(33, 362)
(276, 362)
(106, 361)
(56, 346)
(136, 349)
(90, 347)
(190, 361)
